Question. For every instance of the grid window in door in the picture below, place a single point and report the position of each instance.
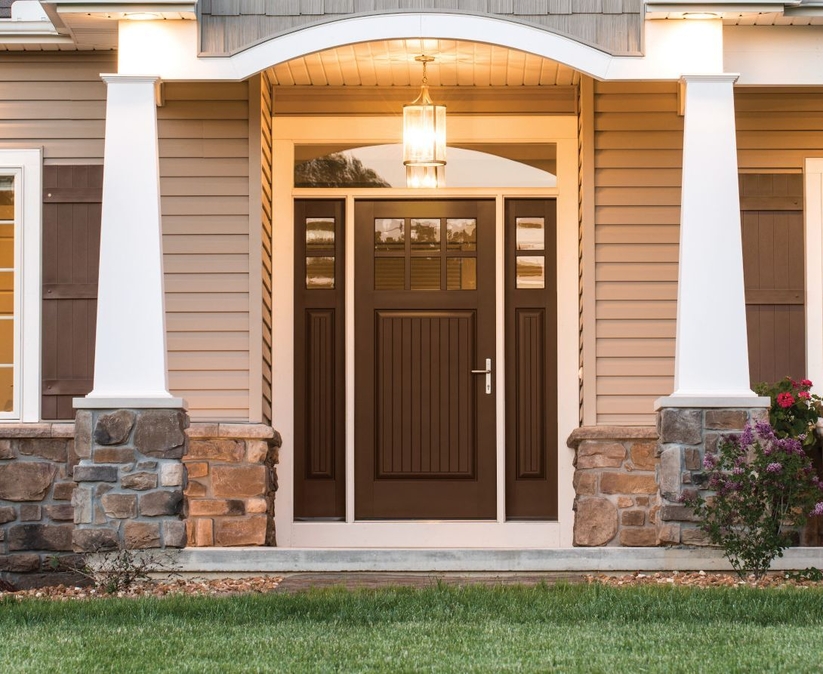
(426, 253)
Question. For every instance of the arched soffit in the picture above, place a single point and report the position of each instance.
(612, 26)
(505, 33)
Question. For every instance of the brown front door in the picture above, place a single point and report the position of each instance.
(424, 319)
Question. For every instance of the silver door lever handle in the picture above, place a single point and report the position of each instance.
(488, 373)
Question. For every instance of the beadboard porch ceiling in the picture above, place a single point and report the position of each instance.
(390, 63)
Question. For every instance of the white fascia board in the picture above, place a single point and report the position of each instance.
(28, 32)
(742, 7)
(116, 8)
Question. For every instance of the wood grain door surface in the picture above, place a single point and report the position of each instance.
(424, 319)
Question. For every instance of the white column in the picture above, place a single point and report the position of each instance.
(130, 352)
(711, 353)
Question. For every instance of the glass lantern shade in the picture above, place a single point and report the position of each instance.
(425, 176)
(424, 132)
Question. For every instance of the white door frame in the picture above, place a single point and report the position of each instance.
(813, 216)
(289, 131)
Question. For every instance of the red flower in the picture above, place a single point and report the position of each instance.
(804, 395)
(785, 399)
(806, 383)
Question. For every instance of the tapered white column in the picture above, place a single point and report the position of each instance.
(711, 354)
(130, 352)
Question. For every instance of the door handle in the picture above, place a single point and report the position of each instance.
(488, 373)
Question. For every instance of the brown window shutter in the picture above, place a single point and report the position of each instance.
(72, 199)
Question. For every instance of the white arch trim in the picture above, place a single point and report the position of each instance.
(169, 48)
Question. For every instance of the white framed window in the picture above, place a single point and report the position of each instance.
(20, 283)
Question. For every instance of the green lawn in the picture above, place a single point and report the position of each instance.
(562, 628)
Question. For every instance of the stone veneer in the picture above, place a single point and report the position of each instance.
(616, 496)
(36, 486)
(232, 481)
(686, 435)
(130, 479)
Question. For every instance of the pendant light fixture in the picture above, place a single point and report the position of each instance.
(424, 136)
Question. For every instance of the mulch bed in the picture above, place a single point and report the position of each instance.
(222, 587)
(225, 587)
(703, 579)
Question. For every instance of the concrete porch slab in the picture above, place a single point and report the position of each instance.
(602, 560)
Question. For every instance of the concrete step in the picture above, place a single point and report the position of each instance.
(286, 560)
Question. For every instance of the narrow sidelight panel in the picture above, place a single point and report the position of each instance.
(319, 373)
(531, 360)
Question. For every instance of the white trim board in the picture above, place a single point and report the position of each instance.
(26, 167)
(288, 131)
(170, 48)
(813, 215)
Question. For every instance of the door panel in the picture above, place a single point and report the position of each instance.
(531, 360)
(424, 394)
(319, 370)
(425, 318)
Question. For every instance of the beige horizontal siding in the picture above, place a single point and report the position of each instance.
(638, 139)
(778, 128)
(204, 168)
(57, 102)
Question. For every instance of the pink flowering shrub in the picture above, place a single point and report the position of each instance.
(764, 486)
(794, 409)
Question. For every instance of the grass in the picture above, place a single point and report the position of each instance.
(561, 628)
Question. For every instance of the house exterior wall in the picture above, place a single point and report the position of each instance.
(204, 182)
(638, 139)
(55, 101)
(638, 136)
(58, 101)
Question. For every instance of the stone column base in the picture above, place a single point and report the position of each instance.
(616, 497)
(232, 481)
(686, 435)
(130, 479)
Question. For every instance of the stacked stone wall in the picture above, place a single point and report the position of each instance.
(232, 482)
(685, 436)
(36, 487)
(616, 495)
(129, 479)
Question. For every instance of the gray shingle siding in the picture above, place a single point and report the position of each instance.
(229, 26)
(5, 9)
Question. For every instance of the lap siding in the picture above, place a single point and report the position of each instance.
(204, 167)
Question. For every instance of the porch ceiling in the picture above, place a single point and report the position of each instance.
(391, 63)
